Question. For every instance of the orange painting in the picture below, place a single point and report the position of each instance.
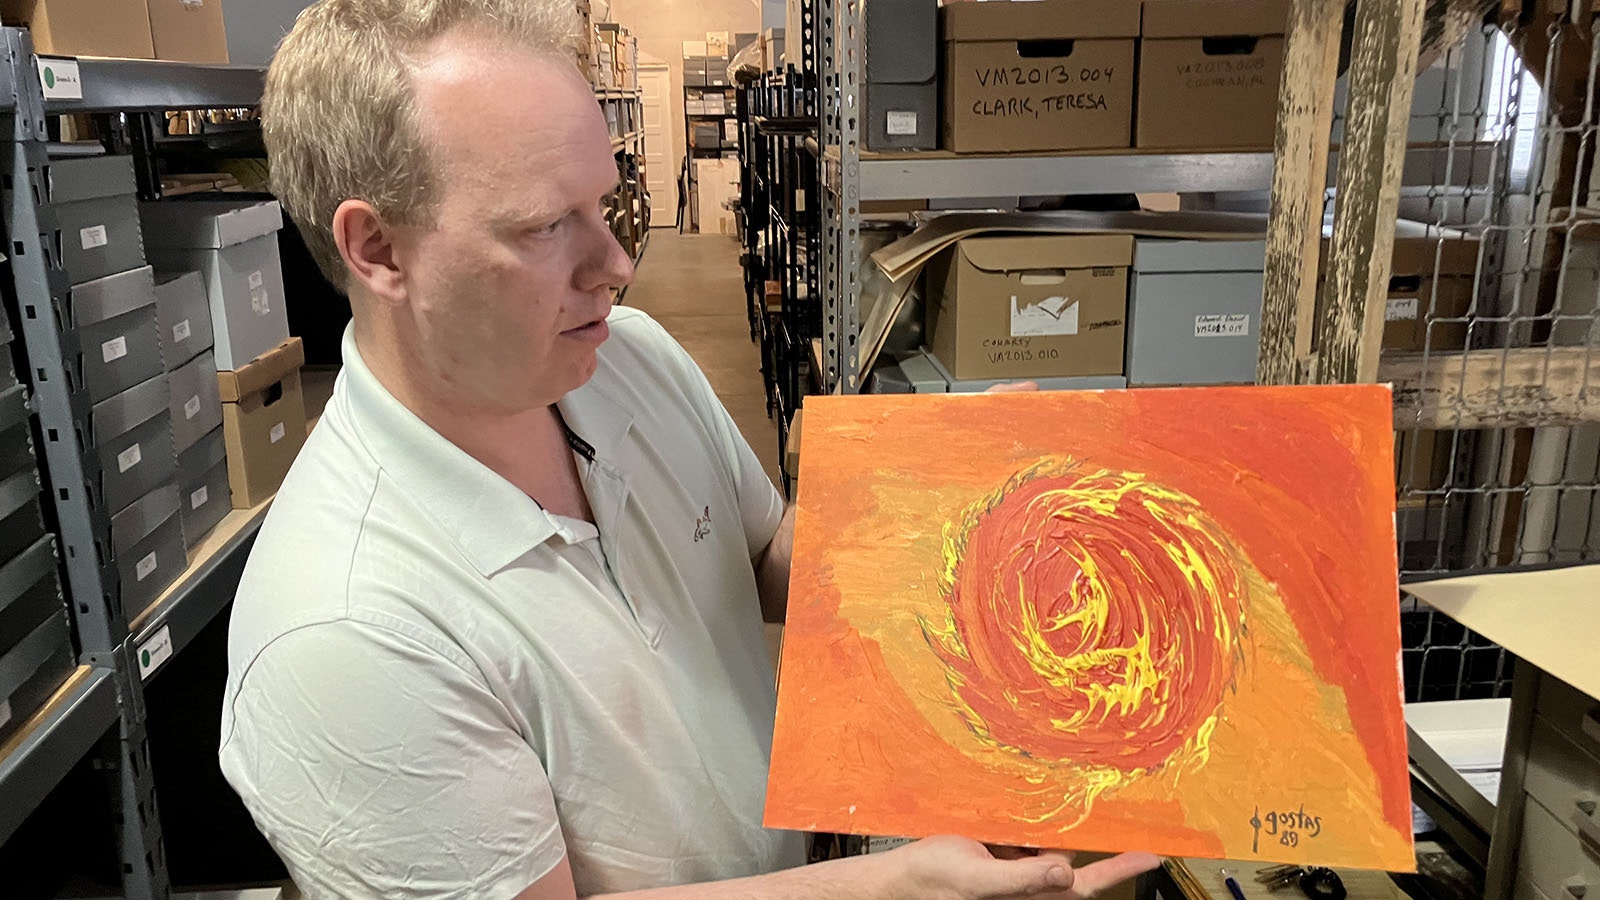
(1161, 620)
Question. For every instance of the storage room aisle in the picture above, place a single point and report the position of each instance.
(693, 286)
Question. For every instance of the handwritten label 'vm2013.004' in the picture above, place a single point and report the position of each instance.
(1085, 97)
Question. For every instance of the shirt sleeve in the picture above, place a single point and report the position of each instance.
(379, 766)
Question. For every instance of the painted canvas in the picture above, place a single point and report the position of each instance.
(1161, 620)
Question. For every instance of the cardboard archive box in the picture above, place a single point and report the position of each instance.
(1030, 306)
(902, 72)
(119, 344)
(132, 434)
(97, 215)
(189, 31)
(263, 422)
(1209, 72)
(203, 486)
(1045, 75)
(1194, 311)
(147, 539)
(196, 406)
(183, 315)
(1431, 278)
(84, 27)
(234, 246)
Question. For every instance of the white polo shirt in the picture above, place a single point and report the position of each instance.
(437, 689)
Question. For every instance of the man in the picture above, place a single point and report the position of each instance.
(500, 634)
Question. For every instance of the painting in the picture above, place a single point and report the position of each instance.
(1161, 620)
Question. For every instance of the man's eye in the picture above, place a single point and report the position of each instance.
(547, 229)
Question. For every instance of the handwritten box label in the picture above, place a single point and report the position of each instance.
(1037, 76)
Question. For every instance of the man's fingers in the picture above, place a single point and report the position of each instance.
(1025, 877)
(1014, 387)
(1096, 877)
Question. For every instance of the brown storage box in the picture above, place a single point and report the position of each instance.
(188, 30)
(1034, 306)
(1045, 75)
(84, 27)
(1209, 73)
(263, 421)
(1412, 297)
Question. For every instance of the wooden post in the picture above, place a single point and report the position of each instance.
(1382, 77)
(1299, 180)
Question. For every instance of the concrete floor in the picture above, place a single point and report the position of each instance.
(693, 286)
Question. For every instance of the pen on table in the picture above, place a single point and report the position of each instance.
(1233, 884)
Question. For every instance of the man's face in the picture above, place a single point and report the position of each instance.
(508, 290)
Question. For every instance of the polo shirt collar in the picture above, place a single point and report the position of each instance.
(489, 520)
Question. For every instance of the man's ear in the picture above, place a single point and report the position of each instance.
(367, 244)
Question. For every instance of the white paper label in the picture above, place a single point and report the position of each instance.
(902, 122)
(145, 566)
(129, 458)
(277, 433)
(1050, 316)
(257, 279)
(199, 497)
(60, 78)
(5, 711)
(180, 332)
(1222, 326)
(194, 4)
(93, 236)
(191, 408)
(154, 652)
(258, 302)
(1400, 309)
(114, 349)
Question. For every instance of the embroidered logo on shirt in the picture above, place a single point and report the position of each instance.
(702, 526)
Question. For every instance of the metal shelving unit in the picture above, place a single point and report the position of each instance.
(691, 193)
(852, 176)
(59, 735)
(624, 110)
(111, 639)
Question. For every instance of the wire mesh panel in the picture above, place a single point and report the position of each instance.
(1492, 331)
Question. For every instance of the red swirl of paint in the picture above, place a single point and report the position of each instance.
(1095, 619)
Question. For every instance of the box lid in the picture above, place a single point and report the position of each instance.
(133, 407)
(111, 296)
(24, 570)
(1039, 20)
(1214, 18)
(262, 372)
(17, 489)
(13, 406)
(212, 224)
(90, 178)
(1152, 255)
(206, 453)
(1032, 253)
(142, 517)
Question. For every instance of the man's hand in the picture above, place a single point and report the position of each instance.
(953, 868)
(1014, 387)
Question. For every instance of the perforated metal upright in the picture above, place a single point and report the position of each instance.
(84, 531)
(839, 62)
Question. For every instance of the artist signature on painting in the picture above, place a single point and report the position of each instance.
(1287, 825)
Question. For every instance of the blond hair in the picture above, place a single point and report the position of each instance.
(339, 116)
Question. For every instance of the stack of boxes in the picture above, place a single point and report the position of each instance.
(111, 308)
(1066, 75)
(35, 646)
(612, 58)
(190, 31)
(232, 247)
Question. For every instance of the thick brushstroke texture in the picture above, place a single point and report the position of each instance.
(1297, 479)
(1085, 607)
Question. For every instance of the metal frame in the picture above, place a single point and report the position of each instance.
(112, 693)
(66, 730)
